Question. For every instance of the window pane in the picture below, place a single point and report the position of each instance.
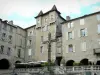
(2, 49)
(83, 32)
(69, 35)
(30, 52)
(71, 24)
(41, 50)
(19, 53)
(9, 50)
(81, 21)
(70, 48)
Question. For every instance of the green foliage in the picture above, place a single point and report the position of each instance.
(46, 64)
(76, 64)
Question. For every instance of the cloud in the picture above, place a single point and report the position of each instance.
(96, 8)
(87, 2)
(26, 9)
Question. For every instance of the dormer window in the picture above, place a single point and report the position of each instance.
(51, 17)
(45, 20)
(38, 22)
(4, 35)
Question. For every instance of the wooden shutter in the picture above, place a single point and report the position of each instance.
(72, 34)
(73, 48)
(86, 32)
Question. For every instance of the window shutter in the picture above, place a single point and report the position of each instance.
(68, 25)
(73, 48)
(32, 33)
(66, 48)
(72, 24)
(86, 32)
(81, 21)
(72, 34)
(66, 35)
(79, 33)
(83, 46)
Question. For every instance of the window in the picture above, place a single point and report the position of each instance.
(45, 28)
(51, 17)
(19, 53)
(69, 35)
(30, 42)
(41, 38)
(3, 36)
(2, 49)
(83, 32)
(11, 29)
(70, 48)
(81, 21)
(41, 49)
(70, 25)
(4, 26)
(10, 39)
(98, 17)
(9, 50)
(45, 20)
(29, 52)
(38, 22)
(30, 33)
(99, 41)
(99, 28)
(83, 46)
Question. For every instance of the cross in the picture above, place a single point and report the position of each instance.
(49, 48)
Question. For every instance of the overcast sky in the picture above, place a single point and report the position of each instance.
(22, 12)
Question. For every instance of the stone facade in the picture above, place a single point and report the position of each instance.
(12, 42)
(73, 39)
(83, 34)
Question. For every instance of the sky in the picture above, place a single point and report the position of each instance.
(22, 12)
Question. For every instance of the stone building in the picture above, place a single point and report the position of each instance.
(12, 43)
(72, 39)
(81, 39)
(45, 23)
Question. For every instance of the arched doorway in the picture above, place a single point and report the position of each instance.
(17, 62)
(69, 63)
(58, 60)
(4, 64)
(84, 61)
(98, 62)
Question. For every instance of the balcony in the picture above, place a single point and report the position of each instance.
(96, 51)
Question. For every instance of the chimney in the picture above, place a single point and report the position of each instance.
(5, 21)
(10, 22)
(67, 18)
(0, 19)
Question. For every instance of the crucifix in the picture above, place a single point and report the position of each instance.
(49, 48)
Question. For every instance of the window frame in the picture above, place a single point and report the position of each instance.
(70, 46)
